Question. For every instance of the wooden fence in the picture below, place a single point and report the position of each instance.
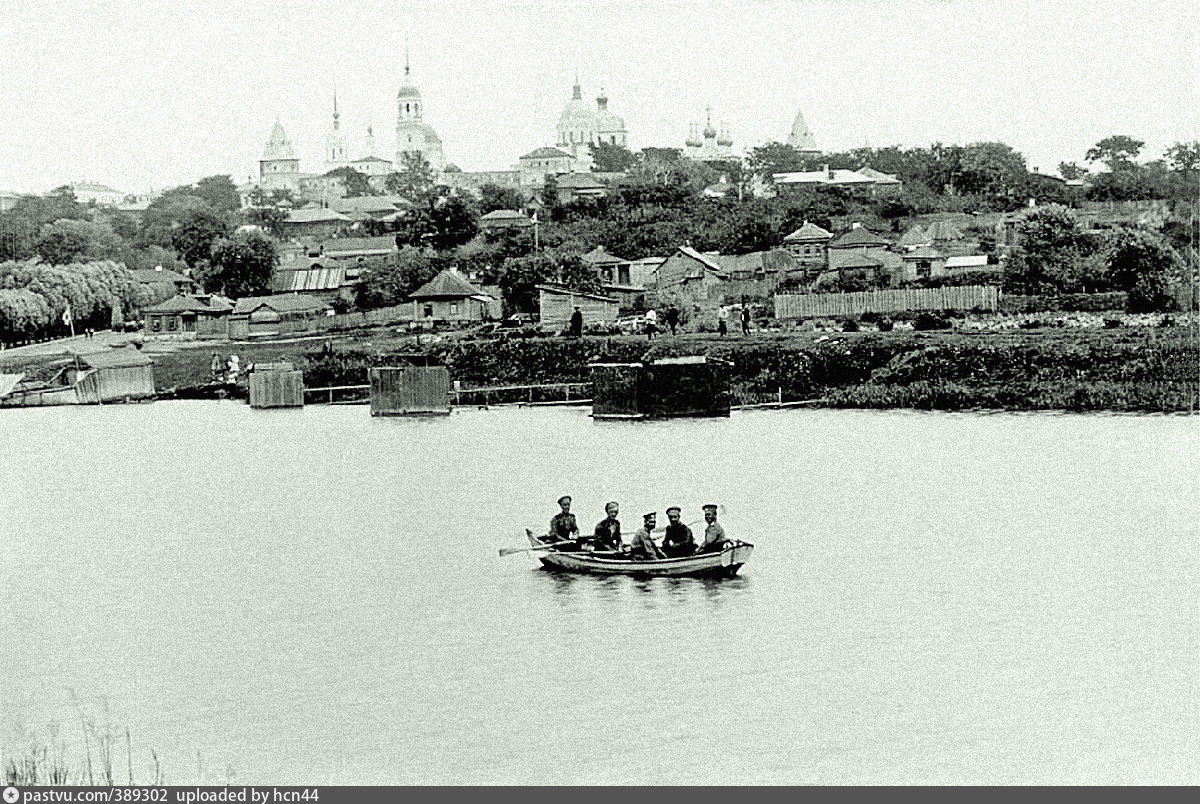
(276, 389)
(409, 389)
(846, 305)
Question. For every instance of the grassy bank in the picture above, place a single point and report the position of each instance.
(1150, 369)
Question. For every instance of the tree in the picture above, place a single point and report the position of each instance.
(194, 235)
(990, 169)
(1183, 157)
(220, 193)
(413, 179)
(455, 220)
(389, 281)
(608, 157)
(1144, 265)
(775, 157)
(356, 183)
(68, 240)
(493, 197)
(270, 210)
(1117, 151)
(1049, 257)
(241, 265)
(166, 212)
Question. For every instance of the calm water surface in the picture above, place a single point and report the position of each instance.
(315, 596)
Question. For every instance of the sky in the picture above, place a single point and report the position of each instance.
(148, 94)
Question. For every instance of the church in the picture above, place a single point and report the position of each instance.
(580, 127)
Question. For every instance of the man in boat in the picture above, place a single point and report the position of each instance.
(715, 539)
(607, 535)
(678, 540)
(562, 525)
(643, 547)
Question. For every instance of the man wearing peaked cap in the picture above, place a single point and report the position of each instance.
(643, 548)
(607, 535)
(562, 524)
(678, 540)
(715, 539)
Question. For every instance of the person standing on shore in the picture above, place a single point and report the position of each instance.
(651, 323)
(672, 316)
(576, 329)
(722, 320)
(745, 319)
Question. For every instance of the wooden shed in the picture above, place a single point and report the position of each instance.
(686, 386)
(672, 386)
(276, 385)
(615, 390)
(116, 375)
(557, 304)
(406, 390)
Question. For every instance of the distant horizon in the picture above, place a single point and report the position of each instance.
(148, 97)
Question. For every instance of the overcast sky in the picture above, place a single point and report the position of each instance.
(143, 94)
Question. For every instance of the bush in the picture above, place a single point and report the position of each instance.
(1070, 302)
(930, 321)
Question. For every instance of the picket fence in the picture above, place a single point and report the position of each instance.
(846, 305)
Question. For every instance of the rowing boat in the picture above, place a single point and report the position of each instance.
(724, 564)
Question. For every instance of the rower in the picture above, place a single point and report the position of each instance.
(562, 525)
(678, 540)
(643, 547)
(608, 530)
(715, 539)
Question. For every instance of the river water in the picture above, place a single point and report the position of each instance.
(315, 596)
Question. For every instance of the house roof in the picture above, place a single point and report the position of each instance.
(545, 153)
(371, 159)
(197, 304)
(115, 358)
(370, 203)
(858, 236)
(858, 261)
(291, 303)
(707, 260)
(150, 275)
(916, 236)
(836, 176)
(446, 285)
(562, 291)
(315, 215)
(598, 256)
(968, 261)
(809, 231)
(338, 245)
(924, 253)
(878, 175)
(944, 230)
(316, 278)
(508, 217)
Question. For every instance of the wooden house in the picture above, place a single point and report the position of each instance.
(557, 304)
(189, 317)
(258, 315)
(450, 298)
(104, 377)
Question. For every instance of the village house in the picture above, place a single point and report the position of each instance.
(702, 282)
(316, 222)
(500, 219)
(188, 317)
(371, 207)
(575, 186)
(256, 315)
(539, 163)
(808, 245)
(866, 180)
(450, 298)
(923, 263)
(620, 279)
(163, 276)
(557, 304)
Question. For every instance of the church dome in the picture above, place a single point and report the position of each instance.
(576, 109)
(408, 90)
(278, 146)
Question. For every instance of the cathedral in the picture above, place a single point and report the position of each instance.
(580, 127)
(707, 145)
(279, 167)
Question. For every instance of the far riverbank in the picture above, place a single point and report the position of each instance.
(1130, 369)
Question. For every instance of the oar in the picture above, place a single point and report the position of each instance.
(508, 551)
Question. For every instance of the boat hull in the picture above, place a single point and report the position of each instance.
(724, 564)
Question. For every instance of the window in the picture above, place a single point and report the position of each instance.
(171, 324)
(428, 311)
(453, 308)
(156, 324)
(924, 267)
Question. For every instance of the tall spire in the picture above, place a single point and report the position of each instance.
(577, 94)
(335, 111)
(406, 56)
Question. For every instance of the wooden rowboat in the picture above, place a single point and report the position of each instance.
(724, 564)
